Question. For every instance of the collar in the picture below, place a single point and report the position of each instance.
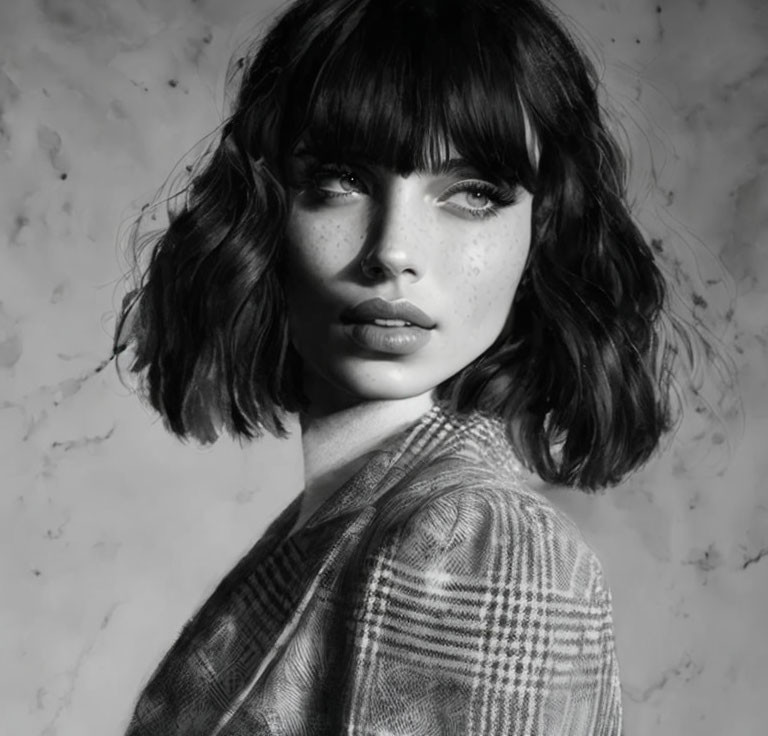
(437, 433)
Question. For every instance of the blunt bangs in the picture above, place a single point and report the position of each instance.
(408, 85)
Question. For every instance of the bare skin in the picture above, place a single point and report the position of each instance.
(336, 444)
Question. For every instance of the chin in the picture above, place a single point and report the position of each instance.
(384, 380)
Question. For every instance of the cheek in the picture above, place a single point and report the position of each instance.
(491, 272)
(320, 245)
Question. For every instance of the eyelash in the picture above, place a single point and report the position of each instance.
(332, 171)
(498, 197)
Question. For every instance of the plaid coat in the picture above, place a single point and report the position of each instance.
(432, 594)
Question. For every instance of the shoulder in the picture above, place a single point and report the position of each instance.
(480, 588)
(484, 528)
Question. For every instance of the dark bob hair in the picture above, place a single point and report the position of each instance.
(580, 371)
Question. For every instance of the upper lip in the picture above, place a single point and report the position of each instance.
(378, 308)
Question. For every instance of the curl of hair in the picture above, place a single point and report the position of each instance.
(580, 372)
(582, 368)
(207, 323)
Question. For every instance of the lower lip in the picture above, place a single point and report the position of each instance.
(391, 340)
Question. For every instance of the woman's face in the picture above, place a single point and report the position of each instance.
(365, 245)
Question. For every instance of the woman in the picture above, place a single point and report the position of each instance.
(413, 232)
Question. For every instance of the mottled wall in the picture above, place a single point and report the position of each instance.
(111, 532)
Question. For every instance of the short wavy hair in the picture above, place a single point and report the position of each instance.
(579, 372)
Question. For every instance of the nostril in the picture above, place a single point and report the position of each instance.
(379, 271)
(388, 262)
(370, 269)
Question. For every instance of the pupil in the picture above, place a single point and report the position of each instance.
(348, 182)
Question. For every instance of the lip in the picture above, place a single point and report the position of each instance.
(389, 340)
(370, 310)
(369, 325)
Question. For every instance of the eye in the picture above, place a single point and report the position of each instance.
(333, 182)
(476, 198)
(473, 199)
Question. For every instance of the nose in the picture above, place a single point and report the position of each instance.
(394, 246)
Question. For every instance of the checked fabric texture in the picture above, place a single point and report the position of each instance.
(433, 594)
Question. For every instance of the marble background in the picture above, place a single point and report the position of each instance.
(111, 532)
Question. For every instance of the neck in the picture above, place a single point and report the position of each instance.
(336, 444)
